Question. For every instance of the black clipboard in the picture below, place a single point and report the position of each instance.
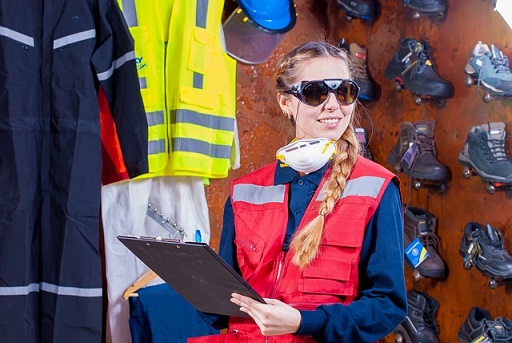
(195, 271)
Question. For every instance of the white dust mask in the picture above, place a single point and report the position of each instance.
(307, 155)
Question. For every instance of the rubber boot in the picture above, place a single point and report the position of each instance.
(419, 325)
(484, 152)
(422, 165)
(421, 224)
(483, 248)
(412, 67)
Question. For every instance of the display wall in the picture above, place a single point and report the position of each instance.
(263, 129)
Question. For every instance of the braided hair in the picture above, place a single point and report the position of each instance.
(306, 242)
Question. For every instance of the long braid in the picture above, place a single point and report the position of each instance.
(306, 242)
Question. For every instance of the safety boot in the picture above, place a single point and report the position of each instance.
(421, 224)
(482, 247)
(412, 67)
(484, 152)
(419, 325)
(480, 327)
(433, 7)
(359, 67)
(364, 9)
(415, 154)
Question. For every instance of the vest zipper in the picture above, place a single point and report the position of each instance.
(279, 270)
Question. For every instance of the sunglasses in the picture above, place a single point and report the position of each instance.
(314, 93)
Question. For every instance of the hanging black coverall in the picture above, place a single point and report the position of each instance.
(54, 55)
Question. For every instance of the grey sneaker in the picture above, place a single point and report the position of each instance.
(484, 152)
(490, 69)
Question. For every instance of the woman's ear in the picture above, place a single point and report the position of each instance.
(284, 102)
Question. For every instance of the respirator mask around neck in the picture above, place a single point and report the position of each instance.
(307, 155)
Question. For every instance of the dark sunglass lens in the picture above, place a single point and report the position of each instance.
(347, 92)
(314, 93)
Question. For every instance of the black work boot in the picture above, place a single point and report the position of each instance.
(427, 6)
(424, 164)
(419, 325)
(412, 67)
(484, 152)
(482, 247)
(421, 224)
(480, 327)
(364, 9)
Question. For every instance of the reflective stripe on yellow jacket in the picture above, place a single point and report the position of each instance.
(188, 84)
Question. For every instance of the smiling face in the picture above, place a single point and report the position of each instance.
(327, 120)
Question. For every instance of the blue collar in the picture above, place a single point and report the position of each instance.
(286, 174)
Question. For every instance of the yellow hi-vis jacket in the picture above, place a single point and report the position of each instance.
(188, 84)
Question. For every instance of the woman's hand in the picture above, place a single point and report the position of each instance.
(273, 318)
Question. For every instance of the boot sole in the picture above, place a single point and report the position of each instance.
(465, 161)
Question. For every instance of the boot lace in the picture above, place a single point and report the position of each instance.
(501, 64)
(430, 321)
(430, 239)
(426, 144)
(423, 58)
(359, 67)
(494, 150)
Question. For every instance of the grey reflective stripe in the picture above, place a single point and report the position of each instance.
(201, 12)
(20, 290)
(156, 147)
(201, 119)
(143, 83)
(362, 186)
(17, 36)
(198, 80)
(73, 291)
(201, 147)
(74, 38)
(129, 12)
(258, 195)
(155, 118)
(116, 64)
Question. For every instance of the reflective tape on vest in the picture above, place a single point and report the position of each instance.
(362, 186)
(258, 195)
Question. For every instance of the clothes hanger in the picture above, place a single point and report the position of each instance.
(142, 281)
(176, 233)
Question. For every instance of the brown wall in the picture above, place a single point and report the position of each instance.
(263, 129)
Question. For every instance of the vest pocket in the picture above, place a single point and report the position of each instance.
(328, 275)
(249, 253)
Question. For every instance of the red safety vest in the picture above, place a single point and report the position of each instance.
(261, 215)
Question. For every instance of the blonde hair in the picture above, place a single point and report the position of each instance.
(306, 242)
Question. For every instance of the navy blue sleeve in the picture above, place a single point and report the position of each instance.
(228, 252)
(382, 302)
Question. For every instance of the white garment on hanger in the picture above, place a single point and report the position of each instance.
(124, 208)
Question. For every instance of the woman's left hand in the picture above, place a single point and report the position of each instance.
(273, 318)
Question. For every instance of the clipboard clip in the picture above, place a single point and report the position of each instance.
(171, 226)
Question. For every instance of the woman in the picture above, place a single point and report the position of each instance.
(319, 234)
